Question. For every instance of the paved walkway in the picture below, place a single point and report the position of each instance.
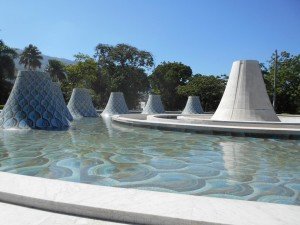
(18, 215)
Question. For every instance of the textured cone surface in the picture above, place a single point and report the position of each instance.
(80, 104)
(245, 97)
(116, 105)
(154, 105)
(193, 106)
(61, 101)
(33, 104)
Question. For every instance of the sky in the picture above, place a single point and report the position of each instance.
(207, 35)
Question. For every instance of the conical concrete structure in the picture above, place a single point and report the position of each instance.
(61, 100)
(80, 104)
(245, 97)
(154, 105)
(116, 105)
(193, 106)
(33, 104)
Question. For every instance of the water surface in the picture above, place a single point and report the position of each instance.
(100, 152)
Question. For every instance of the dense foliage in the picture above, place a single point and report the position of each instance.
(165, 80)
(287, 82)
(124, 68)
(82, 74)
(7, 70)
(209, 88)
(56, 69)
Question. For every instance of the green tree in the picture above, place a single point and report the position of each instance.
(122, 68)
(82, 74)
(165, 80)
(31, 57)
(209, 88)
(287, 82)
(7, 70)
(56, 69)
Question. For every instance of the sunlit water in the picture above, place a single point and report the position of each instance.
(103, 153)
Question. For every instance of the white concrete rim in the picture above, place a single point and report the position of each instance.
(165, 121)
(139, 206)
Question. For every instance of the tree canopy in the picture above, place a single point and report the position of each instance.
(82, 74)
(165, 80)
(56, 69)
(7, 70)
(287, 82)
(209, 88)
(125, 68)
(31, 57)
(122, 68)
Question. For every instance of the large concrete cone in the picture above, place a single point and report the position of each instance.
(154, 105)
(245, 97)
(116, 105)
(33, 104)
(80, 104)
(193, 106)
(61, 101)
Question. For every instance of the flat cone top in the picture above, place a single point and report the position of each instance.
(116, 105)
(33, 104)
(80, 104)
(245, 97)
(154, 105)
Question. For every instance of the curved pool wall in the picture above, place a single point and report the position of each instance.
(32, 104)
(61, 100)
(116, 105)
(201, 123)
(193, 106)
(80, 104)
(111, 154)
(154, 105)
(245, 97)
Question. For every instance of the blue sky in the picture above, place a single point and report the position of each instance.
(206, 35)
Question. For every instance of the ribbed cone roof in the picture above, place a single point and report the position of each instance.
(245, 97)
(154, 105)
(33, 104)
(116, 105)
(80, 104)
(193, 106)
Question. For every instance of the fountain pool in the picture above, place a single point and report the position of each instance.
(101, 152)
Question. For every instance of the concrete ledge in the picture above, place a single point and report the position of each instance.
(203, 125)
(20, 215)
(138, 206)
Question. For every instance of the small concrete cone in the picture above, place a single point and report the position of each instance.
(80, 104)
(116, 105)
(193, 106)
(154, 105)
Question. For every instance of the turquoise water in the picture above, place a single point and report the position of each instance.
(103, 153)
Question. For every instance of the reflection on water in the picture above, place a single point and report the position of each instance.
(99, 152)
